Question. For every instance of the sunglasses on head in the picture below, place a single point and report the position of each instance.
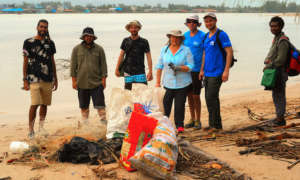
(192, 21)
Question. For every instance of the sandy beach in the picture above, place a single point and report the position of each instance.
(62, 120)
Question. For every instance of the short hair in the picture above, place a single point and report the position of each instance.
(279, 20)
(42, 21)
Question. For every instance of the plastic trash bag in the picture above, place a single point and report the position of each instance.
(158, 157)
(122, 104)
(139, 132)
(80, 150)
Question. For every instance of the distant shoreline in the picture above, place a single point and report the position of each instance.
(267, 13)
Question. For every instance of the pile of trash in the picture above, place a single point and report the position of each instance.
(138, 137)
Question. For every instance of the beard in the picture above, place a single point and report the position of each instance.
(42, 33)
(213, 27)
(134, 33)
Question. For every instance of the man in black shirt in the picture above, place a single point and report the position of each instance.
(39, 73)
(132, 57)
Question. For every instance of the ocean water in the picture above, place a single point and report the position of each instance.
(249, 34)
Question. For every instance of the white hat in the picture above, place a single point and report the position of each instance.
(134, 22)
(176, 33)
(210, 14)
(194, 18)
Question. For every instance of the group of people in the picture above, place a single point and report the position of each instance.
(188, 62)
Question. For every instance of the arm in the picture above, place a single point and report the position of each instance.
(103, 68)
(201, 74)
(121, 57)
(280, 60)
(158, 77)
(188, 65)
(55, 85)
(159, 67)
(229, 54)
(74, 68)
(149, 61)
(25, 80)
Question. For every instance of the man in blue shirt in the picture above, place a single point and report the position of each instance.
(215, 68)
(194, 40)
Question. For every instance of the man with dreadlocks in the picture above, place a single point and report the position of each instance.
(39, 74)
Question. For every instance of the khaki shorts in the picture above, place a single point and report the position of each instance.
(41, 93)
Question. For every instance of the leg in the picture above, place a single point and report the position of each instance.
(46, 97)
(84, 102)
(99, 102)
(197, 104)
(35, 93)
(128, 86)
(32, 115)
(180, 99)
(279, 99)
(43, 113)
(191, 105)
(212, 88)
(168, 101)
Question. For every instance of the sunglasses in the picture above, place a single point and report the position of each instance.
(192, 21)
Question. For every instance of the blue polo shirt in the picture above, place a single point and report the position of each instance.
(195, 44)
(183, 57)
(214, 60)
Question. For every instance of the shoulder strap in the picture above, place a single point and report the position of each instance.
(167, 48)
(219, 43)
(205, 37)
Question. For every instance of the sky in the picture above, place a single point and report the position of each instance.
(229, 3)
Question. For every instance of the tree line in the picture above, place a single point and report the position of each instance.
(268, 6)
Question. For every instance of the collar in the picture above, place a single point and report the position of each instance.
(85, 45)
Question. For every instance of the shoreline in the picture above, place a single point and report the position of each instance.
(63, 119)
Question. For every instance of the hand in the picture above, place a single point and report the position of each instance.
(265, 68)
(225, 76)
(55, 85)
(74, 85)
(26, 85)
(149, 76)
(201, 75)
(104, 83)
(267, 61)
(117, 73)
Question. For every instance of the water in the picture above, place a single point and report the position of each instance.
(249, 33)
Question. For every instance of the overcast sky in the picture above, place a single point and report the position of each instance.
(154, 2)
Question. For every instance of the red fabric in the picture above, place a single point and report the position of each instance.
(139, 132)
(294, 66)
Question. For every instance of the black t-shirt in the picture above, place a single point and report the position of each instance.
(39, 53)
(135, 55)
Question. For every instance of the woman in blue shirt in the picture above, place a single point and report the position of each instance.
(176, 61)
(194, 40)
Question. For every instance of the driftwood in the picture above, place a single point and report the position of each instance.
(203, 164)
(294, 164)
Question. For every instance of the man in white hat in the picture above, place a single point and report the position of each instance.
(194, 40)
(89, 72)
(217, 59)
(132, 56)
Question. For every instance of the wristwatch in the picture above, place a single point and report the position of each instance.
(24, 79)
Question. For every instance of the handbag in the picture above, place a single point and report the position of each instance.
(269, 78)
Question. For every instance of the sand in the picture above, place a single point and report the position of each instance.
(63, 116)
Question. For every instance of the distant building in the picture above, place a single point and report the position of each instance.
(12, 10)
